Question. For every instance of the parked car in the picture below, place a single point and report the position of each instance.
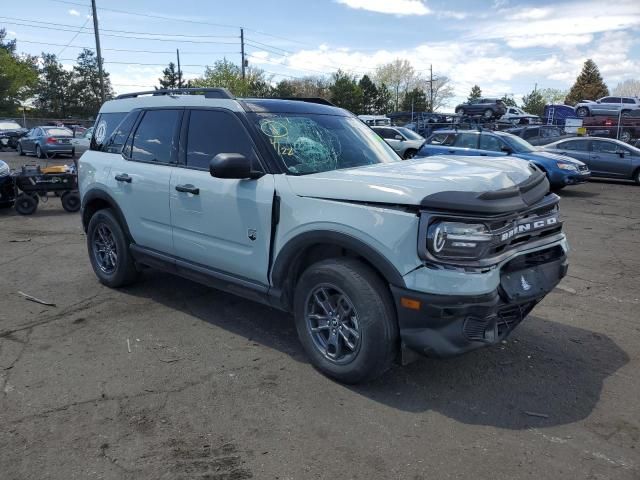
(487, 107)
(539, 135)
(561, 170)
(607, 106)
(10, 133)
(7, 190)
(46, 142)
(608, 126)
(373, 120)
(299, 205)
(605, 157)
(518, 116)
(81, 145)
(405, 142)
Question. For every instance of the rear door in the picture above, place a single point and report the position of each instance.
(221, 224)
(610, 159)
(140, 177)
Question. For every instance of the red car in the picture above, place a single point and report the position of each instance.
(608, 126)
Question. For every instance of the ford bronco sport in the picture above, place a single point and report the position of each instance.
(301, 206)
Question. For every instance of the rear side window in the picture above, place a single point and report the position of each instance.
(628, 100)
(466, 140)
(445, 139)
(104, 127)
(531, 133)
(386, 133)
(605, 147)
(153, 140)
(212, 132)
(490, 143)
(574, 145)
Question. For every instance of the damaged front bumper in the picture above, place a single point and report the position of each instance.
(447, 325)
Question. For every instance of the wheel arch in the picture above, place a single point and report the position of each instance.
(310, 247)
(95, 200)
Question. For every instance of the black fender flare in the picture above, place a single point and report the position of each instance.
(98, 194)
(289, 252)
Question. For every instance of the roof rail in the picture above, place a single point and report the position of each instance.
(208, 92)
(319, 100)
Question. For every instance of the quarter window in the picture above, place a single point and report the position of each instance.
(212, 132)
(153, 140)
(120, 135)
(104, 127)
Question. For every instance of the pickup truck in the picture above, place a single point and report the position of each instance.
(608, 126)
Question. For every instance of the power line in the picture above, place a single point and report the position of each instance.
(74, 37)
(129, 50)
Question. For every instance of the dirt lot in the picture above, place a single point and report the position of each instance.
(169, 379)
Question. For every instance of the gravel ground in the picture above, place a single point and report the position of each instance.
(168, 379)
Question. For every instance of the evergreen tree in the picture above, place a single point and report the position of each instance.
(533, 103)
(171, 78)
(415, 101)
(475, 93)
(284, 89)
(589, 85)
(226, 74)
(369, 95)
(509, 101)
(384, 101)
(345, 92)
(85, 85)
(52, 94)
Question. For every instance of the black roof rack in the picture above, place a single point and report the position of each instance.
(208, 92)
(319, 100)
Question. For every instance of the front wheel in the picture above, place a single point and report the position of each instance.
(488, 113)
(20, 151)
(625, 136)
(582, 112)
(26, 204)
(39, 153)
(636, 176)
(346, 320)
(410, 154)
(109, 250)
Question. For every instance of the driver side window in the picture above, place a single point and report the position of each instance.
(490, 143)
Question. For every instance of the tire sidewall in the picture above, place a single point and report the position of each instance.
(119, 276)
(582, 112)
(33, 204)
(73, 198)
(38, 151)
(376, 322)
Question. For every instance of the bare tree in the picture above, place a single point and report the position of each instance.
(399, 76)
(628, 88)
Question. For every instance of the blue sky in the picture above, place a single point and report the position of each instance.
(505, 46)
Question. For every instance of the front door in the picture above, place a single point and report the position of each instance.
(222, 224)
(140, 178)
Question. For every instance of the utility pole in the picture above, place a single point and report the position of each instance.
(98, 51)
(431, 88)
(179, 71)
(242, 50)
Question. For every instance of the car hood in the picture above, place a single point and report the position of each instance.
(409, 182)
(548, 156)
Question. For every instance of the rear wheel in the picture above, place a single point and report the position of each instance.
(582, 112)
(109, 250)
(488, 113)
(625, 136)
(410, 153)
(636, 176)
(625, 113)
(70, 201)
(26, 204)
(39, 153)
(346, 320)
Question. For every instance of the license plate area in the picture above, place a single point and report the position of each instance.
(527, 283)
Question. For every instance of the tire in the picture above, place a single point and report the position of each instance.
(625, 136)
(26, 204)
(70, 201)
(488, 113)
(39, 153)
(625, 113)
(373, 320)
(20, 152)
(460, 111)
(636, 176)
(106, 233)
(410, 153)
(582, 112)
(73, 153)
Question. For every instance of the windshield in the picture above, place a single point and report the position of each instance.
(310, 143)
(410, 134)
(517, 144)
(9, 125)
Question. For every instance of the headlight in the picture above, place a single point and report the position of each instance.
(4, 169)
(567, 166)
(448, 240)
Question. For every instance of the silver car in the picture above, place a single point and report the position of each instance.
(81, 144)
(405, 142)
(607, 106)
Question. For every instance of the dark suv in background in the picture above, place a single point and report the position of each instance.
(487, 107)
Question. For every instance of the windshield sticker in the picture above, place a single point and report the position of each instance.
(273, 128)
(101, 132)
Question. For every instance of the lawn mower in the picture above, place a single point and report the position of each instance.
(33, 185)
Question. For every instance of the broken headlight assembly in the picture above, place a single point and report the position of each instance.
(456, 240)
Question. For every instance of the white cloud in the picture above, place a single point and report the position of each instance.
(74, 13)
(456, 15)
(530, 14)
(395, 7)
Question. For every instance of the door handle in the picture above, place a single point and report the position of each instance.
(123, 177)
(188, 188)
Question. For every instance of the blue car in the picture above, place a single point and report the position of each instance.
(561, 170)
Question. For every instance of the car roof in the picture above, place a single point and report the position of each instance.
(277, 105)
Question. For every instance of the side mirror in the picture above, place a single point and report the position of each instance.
(507, 150)
(232, 165)
(399, 137)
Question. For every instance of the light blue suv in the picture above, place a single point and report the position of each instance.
(561, 170)
(299, 205)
